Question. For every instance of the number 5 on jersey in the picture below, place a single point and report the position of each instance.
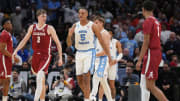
(38, 39)
(83, 37)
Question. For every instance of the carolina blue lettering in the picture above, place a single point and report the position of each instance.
(84, 42)
(82, 31)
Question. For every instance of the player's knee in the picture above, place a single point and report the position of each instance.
(40, 75)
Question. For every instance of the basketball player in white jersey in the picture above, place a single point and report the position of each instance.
(101, 64)
(115, 48)
(85, 32)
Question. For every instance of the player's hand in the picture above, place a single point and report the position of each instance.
(112, 62)
(60, 62)
(71, 31)
(14, 57)
(16, 60)
(138, 66)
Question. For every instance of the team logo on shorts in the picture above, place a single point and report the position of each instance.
(150, 75)
(2, 74)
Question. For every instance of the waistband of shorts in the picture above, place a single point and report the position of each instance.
(92, 49)
(101, 56)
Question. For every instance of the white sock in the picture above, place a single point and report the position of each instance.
(95, 85)
(86, 99)
(113, 99)
(145, 94)
(100, 100)
(39, 78)
(5, 98)
(106, 88)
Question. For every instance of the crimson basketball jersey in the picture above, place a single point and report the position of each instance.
(152, 26)
(5, 37)
(5, 61)
(41, 41)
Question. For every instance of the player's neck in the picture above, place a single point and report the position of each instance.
(148, 14)
(40, 24)
(7, 30)
(84, 22)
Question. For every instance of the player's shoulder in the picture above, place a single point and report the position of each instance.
(150, 19)
(4, 33)
(32, 26)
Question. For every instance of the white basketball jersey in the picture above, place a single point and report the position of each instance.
(113, 49)
(84, 36)
(98, 45)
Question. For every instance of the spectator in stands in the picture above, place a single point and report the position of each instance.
(136, 55)
(25, 65)
(63, 87)
(126, 56)
(164, 33)
(17, 86)
(169, 46)
(24, 54)
(130, 78)
(17, 18)
(53, 6)
(167, 81)
(131, 44)
(70, 14)
(127, 80)
(174, 62)
(139, 37)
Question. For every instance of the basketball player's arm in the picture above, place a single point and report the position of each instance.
(3, 50)
(119, 49)
(70, 33)
(24, 41)
(103, 43)
(143, 50)
(58, 44)
(107, 38)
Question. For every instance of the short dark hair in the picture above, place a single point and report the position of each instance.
(100, 18)
(16, 70)
(83, 8)
(149, 5)
(40, 11)
(4, 21)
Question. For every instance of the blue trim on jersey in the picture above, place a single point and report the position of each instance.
(94, 41)
(92, 49)
(102, 66)
(91, 69)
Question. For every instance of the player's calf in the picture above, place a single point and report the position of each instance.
(39, 80)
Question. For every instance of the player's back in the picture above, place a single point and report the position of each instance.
(152, 26)
(41, 41)
(6, 37)
(84, 36)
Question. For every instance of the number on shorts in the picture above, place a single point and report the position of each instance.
(38, 39)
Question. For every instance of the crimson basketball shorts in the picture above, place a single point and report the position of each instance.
(151, 64)
(5, 67)
(40, 62)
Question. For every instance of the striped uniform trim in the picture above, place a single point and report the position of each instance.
(148, 61)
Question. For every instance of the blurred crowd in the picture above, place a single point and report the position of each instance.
(124, 16)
